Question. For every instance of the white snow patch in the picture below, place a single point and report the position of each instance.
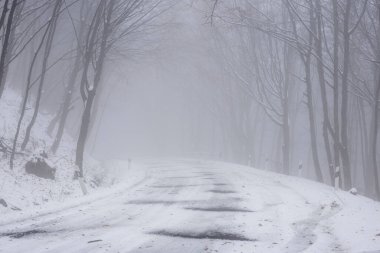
(21, 191)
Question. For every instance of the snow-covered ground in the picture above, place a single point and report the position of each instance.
(22, 191)
(199, 206)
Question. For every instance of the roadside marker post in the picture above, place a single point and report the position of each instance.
(336, 178)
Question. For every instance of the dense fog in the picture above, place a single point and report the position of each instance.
(286, 86)
(166, 126)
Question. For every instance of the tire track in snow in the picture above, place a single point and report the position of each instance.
(304, 229)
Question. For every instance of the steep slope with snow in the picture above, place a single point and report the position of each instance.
(19, 190)
(201, 206)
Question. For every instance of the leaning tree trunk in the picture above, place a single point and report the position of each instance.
(8, 55)
(49, 43)
(69, 91)
(85, 124)
(66, 103)
(4, 13)
(54, 121)
(25, 99)
(86, 117)
(6, 41)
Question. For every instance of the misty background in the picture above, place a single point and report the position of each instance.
(260, 83)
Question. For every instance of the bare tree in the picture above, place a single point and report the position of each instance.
(66, 106)
(112, 21)
(49, 43)
(7, 36)
(29, 82)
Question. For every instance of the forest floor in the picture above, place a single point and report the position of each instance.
(177, 205)
(20, 191)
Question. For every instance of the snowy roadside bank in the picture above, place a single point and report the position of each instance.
(23, 193)
(312, 216)
(184, 205)
(117, 173)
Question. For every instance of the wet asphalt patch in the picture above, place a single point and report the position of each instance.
(99, 240)
(211, 235)
(220, 209)
(21, 234)
(160, 202)
(182, 177)
(204, 173)
(222, 191)
(175, 186)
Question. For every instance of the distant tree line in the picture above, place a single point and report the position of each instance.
(314, 56)
(75, 36)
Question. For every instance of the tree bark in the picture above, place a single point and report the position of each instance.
(374, 137)
(336, 131)
(344, 109)
(313, 132)
(48, 47)
(5, 45)
(375, 118)
(25, 99)
(366, 158)
(69, 91)
(4, 13)
(322, 84)
(66, 103)
(8, 55)
(85, 123)
(285, 106)
(86, 117)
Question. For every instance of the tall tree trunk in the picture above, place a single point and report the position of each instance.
(375, 117)
(67, 102)
(8, 55)
(310, 106)
(366, 158)
(322, 84)
(67, 99)
(285, 106)
(86, 117)
(85, 124)
(54, 121)
(374, 136)
(6, 41)
(26, 97)
(336, 131)
(4, 13)
(344, 109)
(48, 47)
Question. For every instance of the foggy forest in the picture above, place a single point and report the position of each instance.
(189, 126)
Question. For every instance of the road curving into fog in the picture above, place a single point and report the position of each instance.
(200, 206)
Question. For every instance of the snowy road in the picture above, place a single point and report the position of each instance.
(193, 206)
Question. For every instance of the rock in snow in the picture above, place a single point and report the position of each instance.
(3, 203)
(39, 167)
(354, 191)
